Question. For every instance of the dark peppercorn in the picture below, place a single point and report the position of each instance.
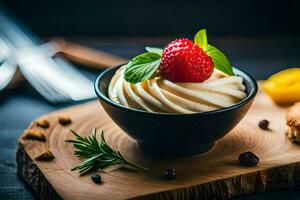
(264, 124)
(96, 178)
(248, 159)
(170, 174)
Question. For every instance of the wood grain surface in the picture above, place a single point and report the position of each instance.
(212, 175)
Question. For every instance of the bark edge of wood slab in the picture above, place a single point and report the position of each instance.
(219, 177)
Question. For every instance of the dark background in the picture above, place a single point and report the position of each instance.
(261, 37)
(158, 17)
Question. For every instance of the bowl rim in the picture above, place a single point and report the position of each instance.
(253, 92)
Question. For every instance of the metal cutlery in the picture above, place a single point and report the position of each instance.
(7, 67)
(53, 77)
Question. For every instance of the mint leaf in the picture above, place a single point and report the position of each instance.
(200, 39)
(220, 60)
(154, 50)
(142, 67)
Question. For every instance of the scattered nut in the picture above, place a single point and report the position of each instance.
(293, 133)
(293, 123)
(64, 120)
(34, 135)
(264, 124)
(248, 159)
(46, 156)
(43, 123)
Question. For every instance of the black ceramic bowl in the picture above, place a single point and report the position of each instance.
(170, 134)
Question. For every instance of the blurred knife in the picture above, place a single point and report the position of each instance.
(88, 57)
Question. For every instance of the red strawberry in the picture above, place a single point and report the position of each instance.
(183, 61)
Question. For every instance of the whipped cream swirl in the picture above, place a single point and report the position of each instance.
(161, 95)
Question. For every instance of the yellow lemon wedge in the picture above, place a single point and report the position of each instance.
(284, 86)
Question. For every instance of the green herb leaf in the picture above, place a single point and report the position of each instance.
(97, 155)
(142, 67)
(220, 60)
(154, 50)
(200, 39)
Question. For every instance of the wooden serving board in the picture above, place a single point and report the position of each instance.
(212, 175)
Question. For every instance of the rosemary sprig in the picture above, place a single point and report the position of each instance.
(97, 155)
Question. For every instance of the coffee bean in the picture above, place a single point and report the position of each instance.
(96, 178)
(264, 124)
(170, 174)
(248, 159)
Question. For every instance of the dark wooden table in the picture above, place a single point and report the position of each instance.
(259, 56)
